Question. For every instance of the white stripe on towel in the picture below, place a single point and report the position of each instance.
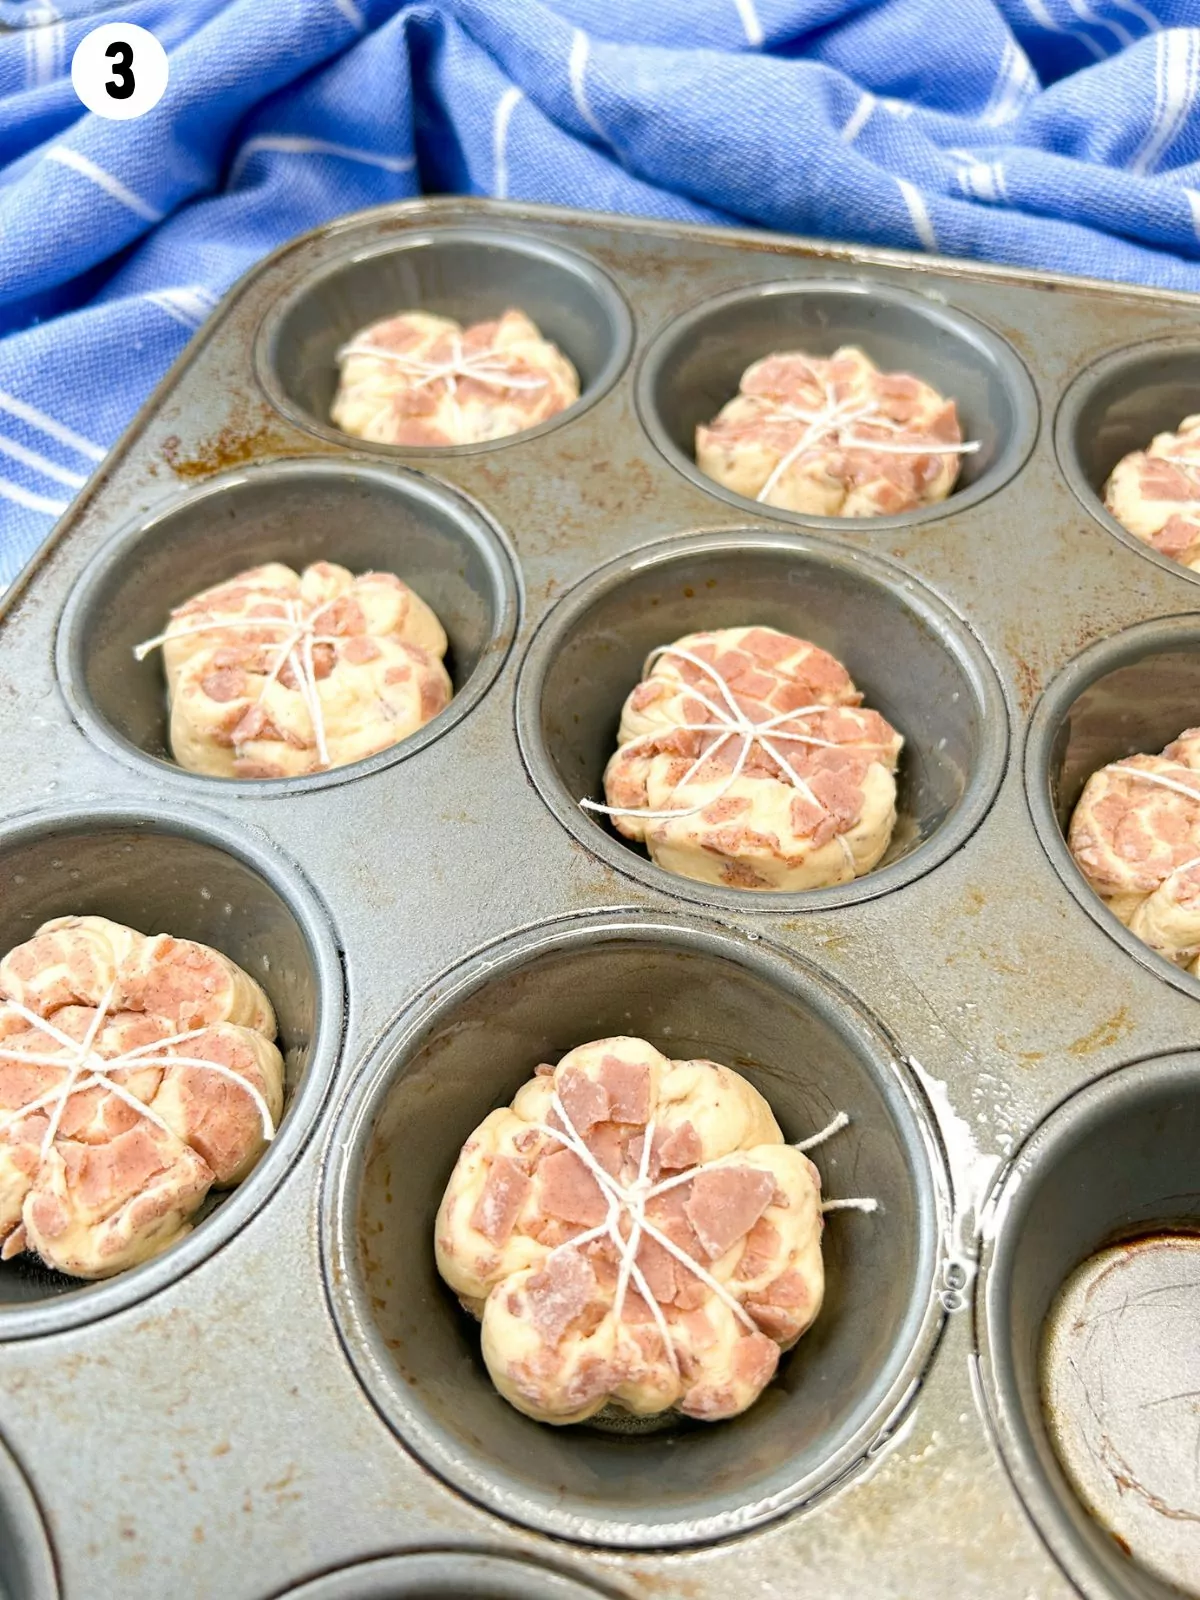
(576, 68)
(32, 502)
(190, 303)
(22, 410)
(1175, 80)
(858, 118)
(750, 23)
(1013, 84)
(1193, 200)
(161, 299)
(1152, 24)
(505, 107)
(293, 145)
(351, 12)
(47, 468)
(1039, 13)
(919, 212)
(103, 180)
(1085, 14)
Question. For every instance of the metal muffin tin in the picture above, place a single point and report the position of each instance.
(288, 1401)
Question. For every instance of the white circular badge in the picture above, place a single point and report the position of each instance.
(119, 70)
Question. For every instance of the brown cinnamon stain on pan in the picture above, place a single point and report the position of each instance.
(1104, 1034)
(232, 447)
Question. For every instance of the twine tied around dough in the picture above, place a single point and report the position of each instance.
(85, 1069)
(731, 722)
(630, 1200)
(296, 648)
(487, 366)
(837, 416)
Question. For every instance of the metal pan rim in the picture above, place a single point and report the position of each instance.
(1104, 656)
(391, 1577)
(22, 1520)
(1013, 455)
(1024, 1459)
(256, 851)
(947, 626)
(480, 234)
(364, 1347)
(490, 542)
(1072, 403)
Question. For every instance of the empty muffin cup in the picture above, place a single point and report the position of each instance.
(469, 274)
(696, 363)
(1135, 692)
(914, 661)
(26, 1563)
(362, 516)
(1086, 1329)
(163, 870)
(1117, 406)
(444, 1575)
(692, 989)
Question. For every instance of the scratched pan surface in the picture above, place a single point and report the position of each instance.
(292, 1404)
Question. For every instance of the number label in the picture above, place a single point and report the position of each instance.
(120, 71)
(122, 83)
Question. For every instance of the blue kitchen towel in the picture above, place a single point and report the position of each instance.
(1050, 133)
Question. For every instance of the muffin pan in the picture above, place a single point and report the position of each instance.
(289, 1402)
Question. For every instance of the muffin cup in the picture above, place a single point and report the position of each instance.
(163, 870)
(26, 1563)
(696, 363)
(1117, 1161)
(444, 1575)
(358, 514)
(912, 658)
(1117, 406)
(470, 274)
(693, 990)
(1134, 692)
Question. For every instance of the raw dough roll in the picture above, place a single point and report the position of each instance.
(834, 438)
(827, 821)
(339, 669)
(417, 379)
(1155, 493)
(1135, 836)
(136, 1073)
(727, 1270)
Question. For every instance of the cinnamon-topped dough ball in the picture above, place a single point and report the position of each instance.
(417, 379)
(1135, 836)
(278, 674)
(1155, 493)
(802, 799)
(726, 1274)
(833, 438)
(136, 1074)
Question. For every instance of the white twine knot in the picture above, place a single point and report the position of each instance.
(629, 1201)
(731, 722)
(295, 649)
(831, 425)
(491, 366)
(85, 1069)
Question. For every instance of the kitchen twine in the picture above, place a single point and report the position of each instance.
(296, 647)
(837, 416)
(633, 1198)
(86, 1070)
(731, 722)
(486, 366)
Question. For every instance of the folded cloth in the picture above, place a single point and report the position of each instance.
(1049, 133)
